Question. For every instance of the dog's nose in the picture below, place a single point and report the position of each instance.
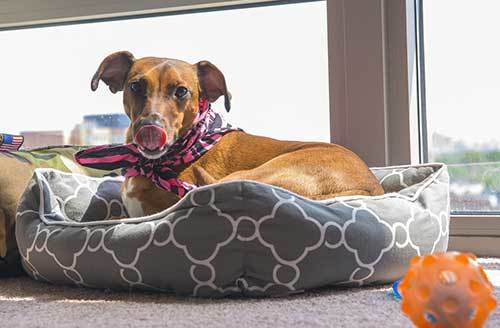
(150, 120)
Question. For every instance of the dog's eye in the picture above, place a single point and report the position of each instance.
(136, 87)
(181, 92)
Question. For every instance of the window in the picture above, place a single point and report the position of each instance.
(462, 70)
(277, 72)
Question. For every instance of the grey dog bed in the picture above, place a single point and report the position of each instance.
(238, 237)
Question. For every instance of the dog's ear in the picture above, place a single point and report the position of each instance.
(113, 71)
(212, 83)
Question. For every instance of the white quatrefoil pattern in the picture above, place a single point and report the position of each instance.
(240, 237)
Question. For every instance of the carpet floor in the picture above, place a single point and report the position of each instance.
(27, 303)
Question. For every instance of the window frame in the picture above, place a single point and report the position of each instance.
(393, 131)
(13, 14)
(469, 231)
(375, 62)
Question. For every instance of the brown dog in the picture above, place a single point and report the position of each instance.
(166, 91)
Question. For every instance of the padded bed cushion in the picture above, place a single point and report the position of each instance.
(239, 237)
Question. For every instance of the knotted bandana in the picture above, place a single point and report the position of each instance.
(208, 128)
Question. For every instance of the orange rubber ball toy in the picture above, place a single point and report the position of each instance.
(446, 290)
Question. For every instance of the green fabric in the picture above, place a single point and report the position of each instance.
(59, 158)
(16, 169)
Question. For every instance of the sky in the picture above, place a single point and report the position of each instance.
(462, 67)
(274, 59)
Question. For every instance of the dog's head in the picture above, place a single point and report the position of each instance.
(160, 95)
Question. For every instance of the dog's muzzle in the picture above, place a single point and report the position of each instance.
(151, 137)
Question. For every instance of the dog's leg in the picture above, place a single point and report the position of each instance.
(202, 177)
(141, 197)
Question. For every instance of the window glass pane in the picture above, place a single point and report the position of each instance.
(462, 56)
(274, 59)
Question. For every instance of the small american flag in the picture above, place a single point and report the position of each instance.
(9, 142)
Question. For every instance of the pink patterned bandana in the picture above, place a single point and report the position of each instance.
(207, 130)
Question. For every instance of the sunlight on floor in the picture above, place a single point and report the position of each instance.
(84, 301)
(492, 269)
(17, 299)
(494, 276)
